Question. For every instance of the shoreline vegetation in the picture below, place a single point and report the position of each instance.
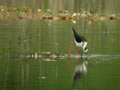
(38, 14)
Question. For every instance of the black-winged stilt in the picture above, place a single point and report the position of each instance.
(80, 42)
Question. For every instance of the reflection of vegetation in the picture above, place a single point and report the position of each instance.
(4, 64)
(44, 55)
(38, 14)
(4, 50)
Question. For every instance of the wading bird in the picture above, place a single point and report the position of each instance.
(79, 41)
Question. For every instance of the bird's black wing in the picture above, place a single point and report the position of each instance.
(78, 37)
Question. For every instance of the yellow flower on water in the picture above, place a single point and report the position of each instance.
(73, 21)
(2, 9)
(39, 10)
(74, 14)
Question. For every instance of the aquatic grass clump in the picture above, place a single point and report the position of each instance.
(38, 14)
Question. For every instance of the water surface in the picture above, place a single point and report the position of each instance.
(19, 38)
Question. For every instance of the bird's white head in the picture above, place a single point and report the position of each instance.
(85, 49)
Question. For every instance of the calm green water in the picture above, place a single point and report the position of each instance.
(18, 39)
(21, 38)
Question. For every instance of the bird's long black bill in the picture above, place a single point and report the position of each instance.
(86, 55)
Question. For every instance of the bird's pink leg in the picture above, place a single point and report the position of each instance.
(76, 51)
(69, 49)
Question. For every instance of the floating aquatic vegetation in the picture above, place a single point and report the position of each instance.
(43, 55)
(38, 14)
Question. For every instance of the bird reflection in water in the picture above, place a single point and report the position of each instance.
(80, 71)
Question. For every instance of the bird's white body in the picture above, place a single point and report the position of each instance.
(81, 44)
